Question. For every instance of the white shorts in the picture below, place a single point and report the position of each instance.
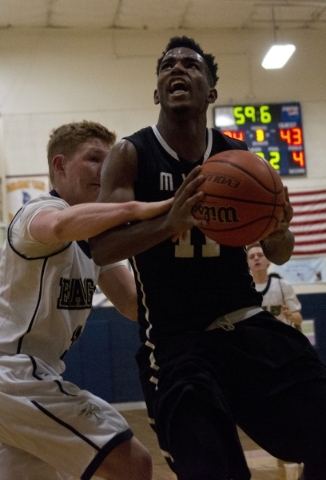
(49, 428)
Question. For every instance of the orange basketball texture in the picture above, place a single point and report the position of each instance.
(244, 198)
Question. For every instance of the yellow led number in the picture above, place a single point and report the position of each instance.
(243, 114)
(274, 158)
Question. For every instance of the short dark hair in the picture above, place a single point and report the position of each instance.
(186, 42)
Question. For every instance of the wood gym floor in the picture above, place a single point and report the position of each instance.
(262, 465)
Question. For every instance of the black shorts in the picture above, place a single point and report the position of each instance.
(264, 376)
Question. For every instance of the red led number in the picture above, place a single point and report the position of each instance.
(298, 157)
(239, 135)
(292, 136)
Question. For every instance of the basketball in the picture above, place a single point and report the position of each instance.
(244, 198)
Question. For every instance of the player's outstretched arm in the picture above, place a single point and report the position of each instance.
(86, 220)
(146, 210)
(129, 240)
(118, 177)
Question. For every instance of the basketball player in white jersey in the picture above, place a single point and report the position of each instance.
(279, 297)
(49, 428)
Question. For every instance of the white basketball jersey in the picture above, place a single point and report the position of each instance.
(279, 293)
(45, 290)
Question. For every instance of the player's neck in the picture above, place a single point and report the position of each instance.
(186, 138)
(260, 277)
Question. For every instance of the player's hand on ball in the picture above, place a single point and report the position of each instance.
(288, 210)
(278, 246)
(244, 198)
(283, 225)
(180, 217)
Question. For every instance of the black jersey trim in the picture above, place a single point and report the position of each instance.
(263, 292)
(62, 390)
(84, 246)
(104, 452)
(64, 424)
(32, 359)
(54, 193)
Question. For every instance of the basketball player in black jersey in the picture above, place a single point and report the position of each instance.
(211, 358)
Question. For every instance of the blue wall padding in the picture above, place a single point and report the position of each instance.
(103, 358)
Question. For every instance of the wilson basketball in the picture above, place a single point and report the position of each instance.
(244, 198)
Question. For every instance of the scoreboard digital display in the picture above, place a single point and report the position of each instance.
(272, 131)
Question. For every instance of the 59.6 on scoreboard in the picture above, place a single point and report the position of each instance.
(272, 131)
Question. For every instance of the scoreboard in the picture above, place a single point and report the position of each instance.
(272, 131)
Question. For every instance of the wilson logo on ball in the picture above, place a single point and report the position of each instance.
(221, 214)
(244, 198)
(222, 180)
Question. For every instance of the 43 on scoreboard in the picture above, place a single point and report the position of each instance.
(271, 130)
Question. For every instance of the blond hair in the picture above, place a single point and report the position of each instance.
(65, 139)
(253, 245)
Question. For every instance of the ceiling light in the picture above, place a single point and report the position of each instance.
(277, 56)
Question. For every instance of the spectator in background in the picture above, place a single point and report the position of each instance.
(278, 295)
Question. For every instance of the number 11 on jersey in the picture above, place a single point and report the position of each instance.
(185, 249)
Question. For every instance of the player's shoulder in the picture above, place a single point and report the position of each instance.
(19, 235)
(140, 135)
(142, 144)
(280, 282)
(136, 140)
(49, 198)
(33, 207)
(43, 202)
(122, 155)
(285, 283)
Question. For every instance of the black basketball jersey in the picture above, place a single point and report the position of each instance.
(184, 286)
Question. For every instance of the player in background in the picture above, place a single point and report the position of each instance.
(49, 428)
(279, 297)
(211, 357)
